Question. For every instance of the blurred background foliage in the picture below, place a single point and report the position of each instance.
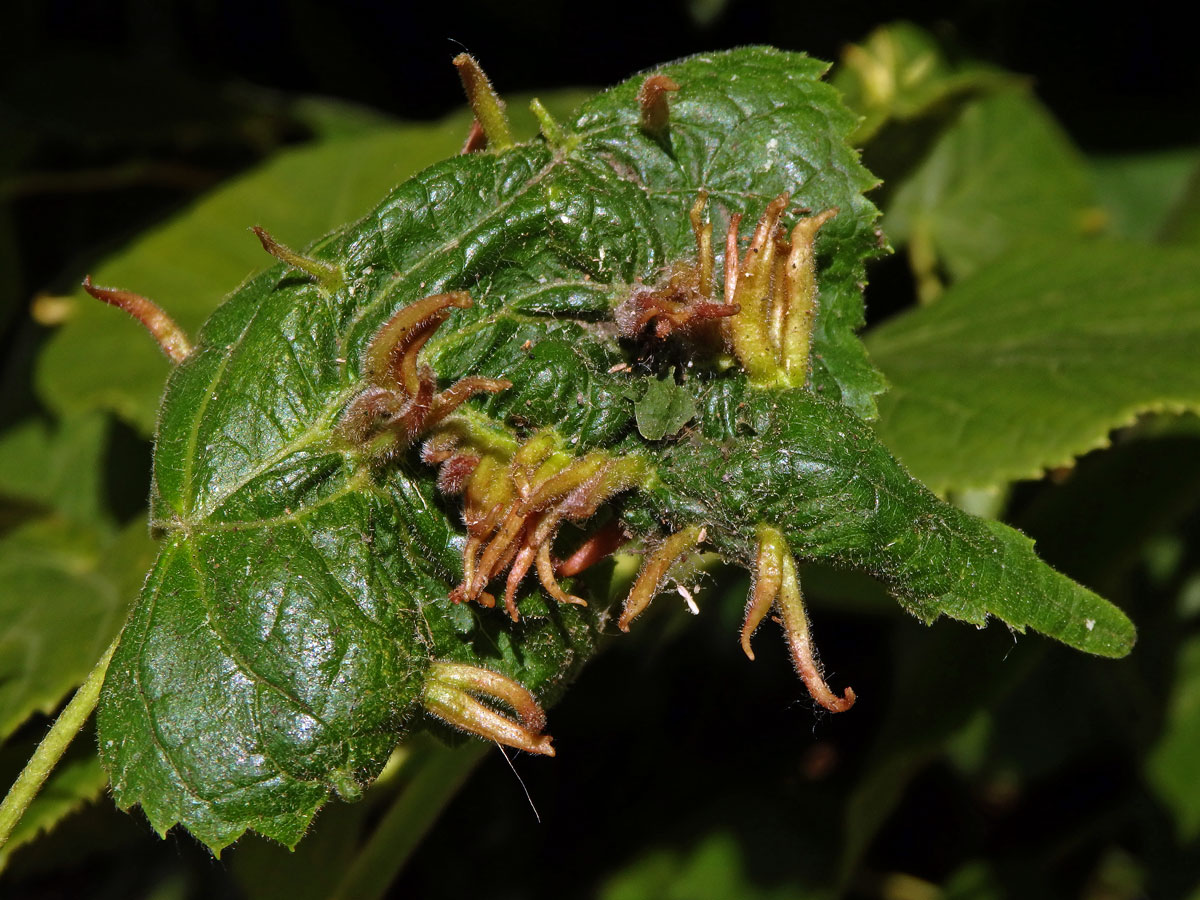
(1035, 156)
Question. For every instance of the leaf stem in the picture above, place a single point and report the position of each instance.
(434, 777)
(52, 747)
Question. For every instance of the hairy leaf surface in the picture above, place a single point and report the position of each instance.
(821, 474)
(280, 646)
(280, 643)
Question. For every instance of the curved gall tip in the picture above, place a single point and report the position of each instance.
(746, 648)
(838, 704)
(168, 335)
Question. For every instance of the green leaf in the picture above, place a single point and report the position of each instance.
(664, 409)
(1003, 177)
(1035, 359)
(711, 870)
(64, 592)
(57, 468)
(1141, 191)
(819, 473)
(191, 262)
(1183, 225)
(1172, 767)
(900, 73)
(281, 642)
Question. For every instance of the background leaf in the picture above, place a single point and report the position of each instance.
(1173, 767)
(64, 593)
(1142, 192)
(189, 264)
(58, 467)
(1035, 359)
(1183, 225)
(901, 72)
(1003, 177)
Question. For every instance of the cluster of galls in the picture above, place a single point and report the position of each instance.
(765, 319)
(517, 495)
(401, 402)
(513, 510)
(765, 315)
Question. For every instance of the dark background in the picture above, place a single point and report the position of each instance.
(1116, 80)
(115, 113)
(89, 86)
